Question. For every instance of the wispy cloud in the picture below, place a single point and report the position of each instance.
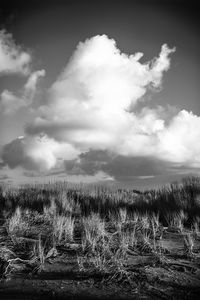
(13, 59)
(10, 103)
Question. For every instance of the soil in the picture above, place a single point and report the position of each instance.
(174, 275)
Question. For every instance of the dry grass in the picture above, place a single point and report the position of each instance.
(110, 224)
(123, 215)
(50, 212)
(188, 244)
(196, 227)
(17, 222)
(176, 220)
(63, 229)
(93, 231)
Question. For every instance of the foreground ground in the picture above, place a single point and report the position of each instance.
(170, 276)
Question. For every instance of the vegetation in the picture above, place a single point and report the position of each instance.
(103, 231)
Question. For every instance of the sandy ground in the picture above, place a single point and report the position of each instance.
(177, 279)
(176, 276)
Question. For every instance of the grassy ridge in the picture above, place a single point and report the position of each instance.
(174, 199)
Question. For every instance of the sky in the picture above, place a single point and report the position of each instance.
(99, 91)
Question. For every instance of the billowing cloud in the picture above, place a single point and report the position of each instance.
(89, 103)
(10, 103)
(12, 58)
(91, 107)
(38, 153)
(180, 141)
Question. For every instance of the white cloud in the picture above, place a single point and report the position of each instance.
(12, 58)
(161, 64)
(31, 83)
(180, 141)
(10, 103)
(38, 153)
(88, 104)
(99, 76)
(88, 108)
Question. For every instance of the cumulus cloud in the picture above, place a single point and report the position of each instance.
(91, 107)
(38, 153)
(10, 103)
(89, 103)
(12, 58)
(180, 141)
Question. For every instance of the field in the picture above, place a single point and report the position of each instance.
(64, 241)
